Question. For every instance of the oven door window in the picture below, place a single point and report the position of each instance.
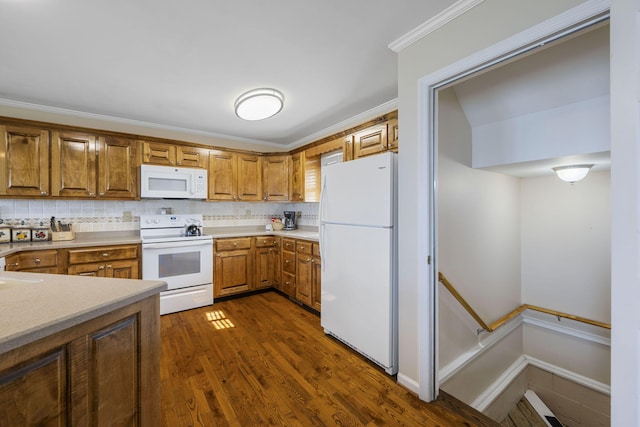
(178, 264)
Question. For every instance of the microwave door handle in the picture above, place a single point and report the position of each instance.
(175, 244)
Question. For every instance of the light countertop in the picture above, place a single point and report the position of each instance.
(108, 238)
(33, 306)
(307, 233)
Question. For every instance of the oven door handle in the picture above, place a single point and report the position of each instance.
(176, 244)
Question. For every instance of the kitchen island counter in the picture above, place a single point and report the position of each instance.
(33, 306)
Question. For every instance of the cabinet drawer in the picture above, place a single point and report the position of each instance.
(303, 247)
(106, 253)
(289, 262)
(316, 249)
(266, 242)
(288, 245)
(233, 244)
(32, 259)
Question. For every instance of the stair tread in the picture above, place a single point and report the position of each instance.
(450, 403)
(523, 415)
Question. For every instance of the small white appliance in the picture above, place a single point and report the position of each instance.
(174, 250)
(358, 242)
(168, 182)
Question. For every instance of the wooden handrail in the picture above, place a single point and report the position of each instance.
(462, 301)
(504, 319)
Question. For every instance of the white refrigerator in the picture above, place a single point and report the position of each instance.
(358, 244)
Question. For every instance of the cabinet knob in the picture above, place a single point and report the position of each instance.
(286, 261)
(91, 194)
(37, 260)
(235, 243)
(43, 193)
(108, 266)
(102, 194)
(106, 254)
(101, 267)
(218, 255)
(302, 248)
(14, 264)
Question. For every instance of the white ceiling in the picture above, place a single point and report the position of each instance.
(572, 70)
(183, 64)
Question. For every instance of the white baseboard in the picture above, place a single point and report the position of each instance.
(491, 393)
(408, 383)
(570, 376)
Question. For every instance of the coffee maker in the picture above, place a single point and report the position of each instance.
(290, 220)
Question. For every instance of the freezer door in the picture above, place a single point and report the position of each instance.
(359, 192)
(359, 292)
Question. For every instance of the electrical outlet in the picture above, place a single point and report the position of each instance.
(126, 216)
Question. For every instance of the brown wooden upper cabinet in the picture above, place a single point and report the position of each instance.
(234, 176)
(117, 177)
(161, 153)
(24, 161)
(73, 164)
(392, 135)
(296, 192)
(372, 140)
(84, 165)
(275, 178)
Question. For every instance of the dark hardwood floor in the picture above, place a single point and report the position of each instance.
(264, 360)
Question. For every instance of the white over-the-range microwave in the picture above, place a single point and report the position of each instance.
(168, 182)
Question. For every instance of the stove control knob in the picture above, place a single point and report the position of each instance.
(156, 221)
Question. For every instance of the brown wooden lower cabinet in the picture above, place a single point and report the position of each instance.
(233, 269)
(41, 261)
(102, 372)
(292, 266)
(120, 262)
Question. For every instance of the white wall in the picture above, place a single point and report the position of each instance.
(566, 245)
(488, 23)
(478, 221)
(578, 128)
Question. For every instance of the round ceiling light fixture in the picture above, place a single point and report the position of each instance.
(259, 104)
(572, 173)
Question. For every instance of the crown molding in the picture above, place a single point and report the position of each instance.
(380, 110)
(129, 122)
(441, 19)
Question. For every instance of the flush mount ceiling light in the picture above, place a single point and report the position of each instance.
(572, 173)
(259, 104)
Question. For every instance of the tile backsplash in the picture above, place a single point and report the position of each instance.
(101, 215)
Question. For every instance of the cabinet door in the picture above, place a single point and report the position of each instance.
(276, 178)
(233, 272)
(192, 157)
(24, 161)
(249, 177)
(392, 136)
(97, 269)
(158, 153)
(266, 265)
(372, 140)
(297, 178)
(73, 164)
(304, 273)
(316, 288)
(125, 269)
(222, 170)
(35, 393)
(117, 177)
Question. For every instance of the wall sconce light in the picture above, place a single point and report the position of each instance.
(259, 104)
(572, 173)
